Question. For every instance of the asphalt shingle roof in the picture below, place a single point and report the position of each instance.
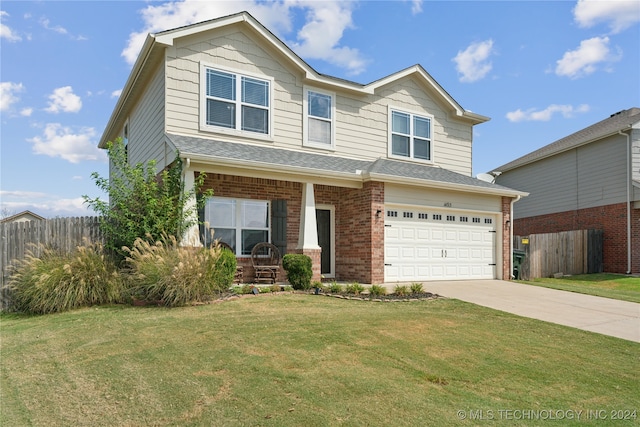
(255, 155)
(614, 123)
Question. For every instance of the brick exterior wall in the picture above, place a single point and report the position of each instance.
(359, 228)
(612, 219)
(506, 238)
(359, 233)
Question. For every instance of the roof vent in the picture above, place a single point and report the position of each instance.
(619, 112)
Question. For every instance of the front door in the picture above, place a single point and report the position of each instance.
(323, 220)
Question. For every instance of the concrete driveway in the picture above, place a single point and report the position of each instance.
(602, 315)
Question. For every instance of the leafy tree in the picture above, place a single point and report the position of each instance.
(142, 203)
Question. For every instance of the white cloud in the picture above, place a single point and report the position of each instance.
(6, 32)
(63, 99)
(531, 115)
(473, 63)
(416, 6)
(583, 61)
(8, 94)
(70, 145)
(318, 39)
(618, 15)
(57, 29)
(116, 93)
(26, 112)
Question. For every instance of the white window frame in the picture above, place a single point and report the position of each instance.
(237, 131)
(238, 227)
(306, 117)
(411, 135)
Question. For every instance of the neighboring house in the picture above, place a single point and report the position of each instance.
(23, 216)
(587, 180)
(372, 181)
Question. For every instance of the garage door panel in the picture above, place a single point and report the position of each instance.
(428, 247)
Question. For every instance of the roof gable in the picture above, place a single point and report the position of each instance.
(619, 121)
(155, 44)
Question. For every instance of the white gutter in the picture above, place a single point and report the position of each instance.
(511, 236)
(628, 202)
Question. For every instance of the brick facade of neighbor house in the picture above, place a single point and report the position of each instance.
(359, 246)
(612, 219)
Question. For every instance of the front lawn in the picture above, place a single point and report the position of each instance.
(304, 360)
(616, 286)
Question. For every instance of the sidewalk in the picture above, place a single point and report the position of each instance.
(606, 316)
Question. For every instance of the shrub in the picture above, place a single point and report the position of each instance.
(57, 282)
(224, 270)
(275, 288)
(336, 288)
(354, 288)
(377, 290)
(299, 270)
(401, 290)
(417, 288)
(142, 203)
(175, 275)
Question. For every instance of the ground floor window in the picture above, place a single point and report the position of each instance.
(240, 223)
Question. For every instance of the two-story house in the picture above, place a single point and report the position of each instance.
(373, 181)
(587, 180)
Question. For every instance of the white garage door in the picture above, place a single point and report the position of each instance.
(423, 245)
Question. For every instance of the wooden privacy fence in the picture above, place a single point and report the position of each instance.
(567, 252)
(64, 234)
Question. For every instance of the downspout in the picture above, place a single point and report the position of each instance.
(518, 197)
(628, 202)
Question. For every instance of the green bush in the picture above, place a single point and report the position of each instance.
(354, 288)
(142, 203)
(401, 290)
(417, 288)
(174, 275)
(299, 270)
(336, 288)
(224, 270)
(57, 282)
(377, 290)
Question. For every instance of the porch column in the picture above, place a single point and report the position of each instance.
(191, 236)
(308, 237)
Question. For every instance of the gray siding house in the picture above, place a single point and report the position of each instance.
(372, 181)
(587, 180)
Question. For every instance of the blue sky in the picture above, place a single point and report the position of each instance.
(541, 70)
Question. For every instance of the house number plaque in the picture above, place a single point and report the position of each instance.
(447, 204)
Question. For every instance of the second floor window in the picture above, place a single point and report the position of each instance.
(410, 136)
(237, 102)
(319, 118)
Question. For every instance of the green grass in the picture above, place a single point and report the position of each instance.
(616, 286)
(291, 360)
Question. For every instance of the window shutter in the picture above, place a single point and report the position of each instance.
(279, 225)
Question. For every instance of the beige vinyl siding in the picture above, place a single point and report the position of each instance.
(588, 176)
(362, 125)
(232, 50)
(146, 124)
(434, 198)
(361, 120)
